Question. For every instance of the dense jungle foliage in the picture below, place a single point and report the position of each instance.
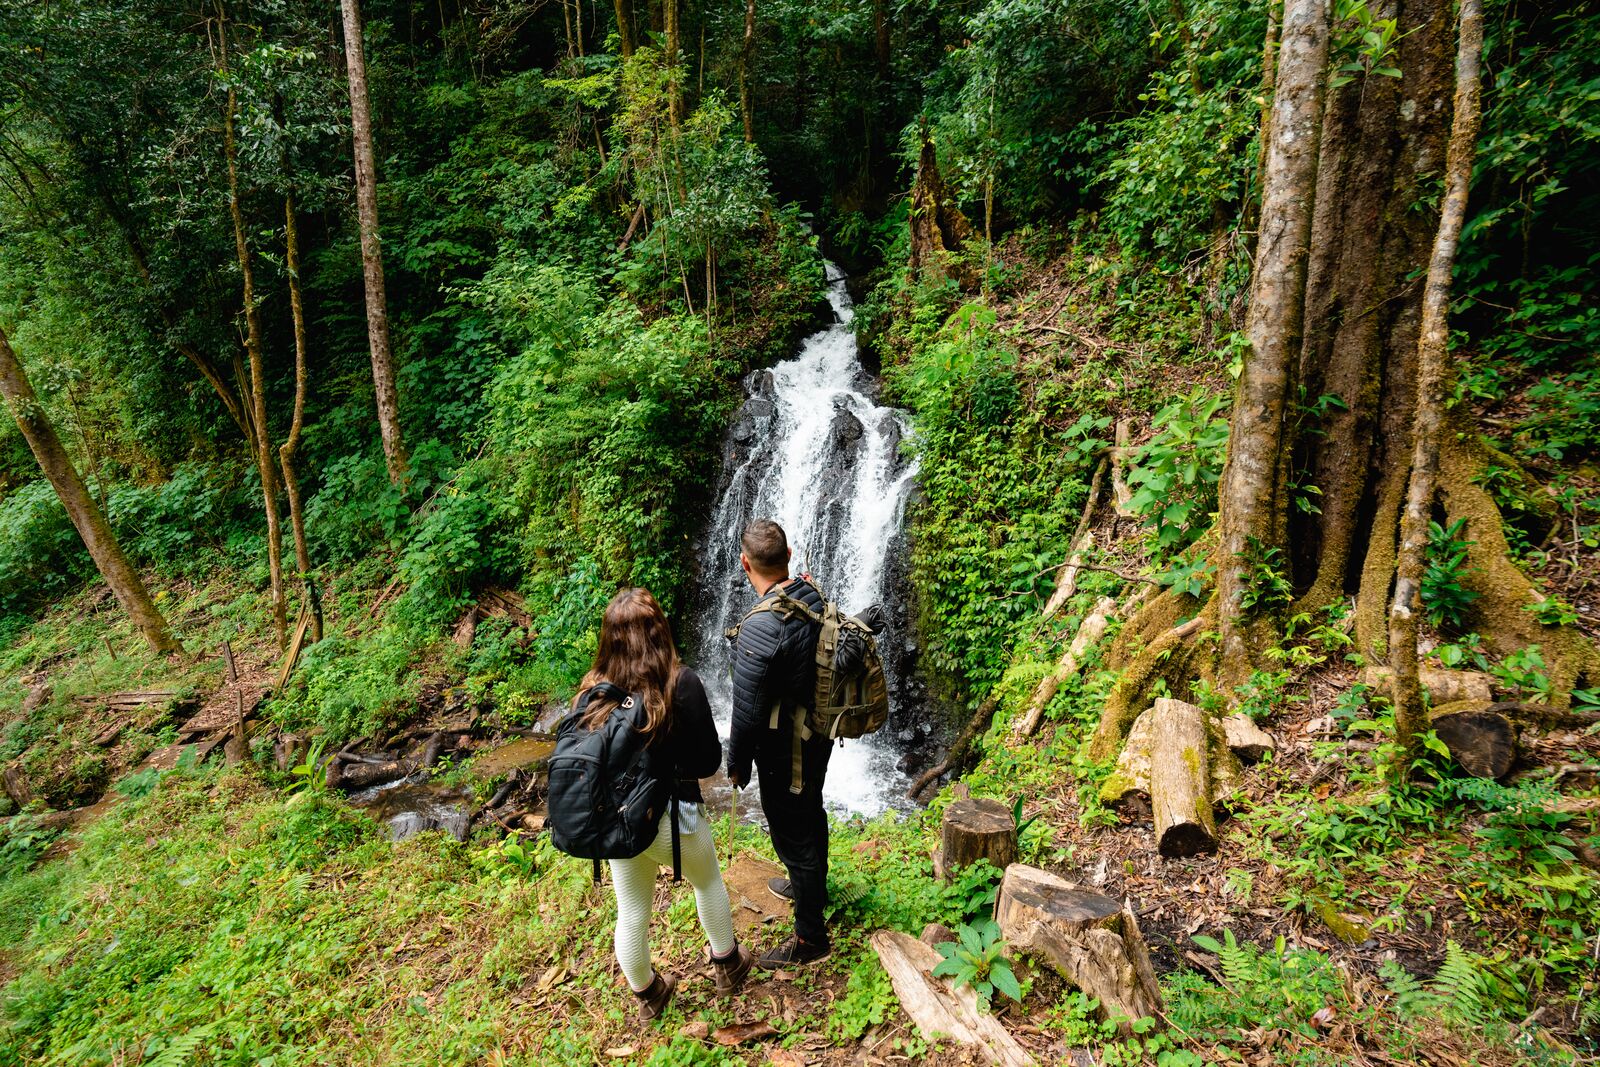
(592, 232)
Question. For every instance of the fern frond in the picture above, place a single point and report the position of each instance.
(1459, 985)
(180, 1051)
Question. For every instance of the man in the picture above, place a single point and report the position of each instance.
(774, 679)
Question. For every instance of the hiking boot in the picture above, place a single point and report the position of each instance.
(729, 972)
(781, 888)
(792, 953)
(653, 998)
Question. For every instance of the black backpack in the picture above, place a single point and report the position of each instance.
(607, 789)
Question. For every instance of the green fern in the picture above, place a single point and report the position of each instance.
(1240, 965)
(180, 1051)
(1459, 986)
(1412, 999)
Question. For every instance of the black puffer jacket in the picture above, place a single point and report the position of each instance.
(774, 662)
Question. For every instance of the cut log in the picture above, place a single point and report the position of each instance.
(1247, 740)
(1443, 686)
(1180, 779)
(16, 786)
(937, 1009)
(289, 751)
(38, 696)
(431, 750)
(138, 699)
(1086, 937)
(977, 829)
(109, 734)
(1090, 631)
(1121, 453)
(1483, 742)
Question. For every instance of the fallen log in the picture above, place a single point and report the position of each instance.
(132, 699)
(1247, 740)
(937, 1009)
(1088, 938)
(1082, 541)
(38, 696)
(1180, 780)
(976, 829)
(1443, 686)
(1090, 631)
(358, 775)
(15, 783)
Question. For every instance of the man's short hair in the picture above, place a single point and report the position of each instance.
(766, 547)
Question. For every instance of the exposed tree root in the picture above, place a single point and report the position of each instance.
(1500, 614)
(1171, 657)
(957, 758)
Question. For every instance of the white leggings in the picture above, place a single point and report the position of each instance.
(635, 883)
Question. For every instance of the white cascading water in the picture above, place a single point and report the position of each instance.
(821, 458)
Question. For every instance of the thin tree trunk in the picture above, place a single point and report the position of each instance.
(880, 38)
(1269, 78)
(1250, 502)
(258, 386)
(1410, 718)
(286, 451)
(383, 381)
(624, 29)
(674, 89)
(746, 53)
(86, 517)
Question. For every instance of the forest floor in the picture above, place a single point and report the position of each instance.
(244, 914)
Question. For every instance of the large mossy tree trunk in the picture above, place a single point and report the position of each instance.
(1321, 451)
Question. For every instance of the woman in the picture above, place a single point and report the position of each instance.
(637, 654)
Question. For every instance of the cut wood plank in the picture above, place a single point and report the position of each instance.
(133, 699)
(939, 1010)
(293, 655)
(1180, 779)
(977, 828)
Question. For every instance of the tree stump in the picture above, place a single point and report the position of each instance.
(16, 786)
(1029, 895)
(1180, 779)
(1483, 742)
(1088, 938)
(976, 829)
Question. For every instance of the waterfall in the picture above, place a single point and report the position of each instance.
(812, 450)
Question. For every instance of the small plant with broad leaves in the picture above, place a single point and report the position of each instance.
(306, 776)
(977, 961)
(1444, 598)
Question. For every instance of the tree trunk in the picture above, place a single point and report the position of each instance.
(383, 381)
(258, 386)
(86, 517)
(286, 452)
(1410, 717)
(1251, 504)
(624, 29)
(746, 54)
(939, 1010)
(669, 11)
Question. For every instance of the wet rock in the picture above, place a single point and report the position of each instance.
(759, 408)
(529, 753)
(408, 809)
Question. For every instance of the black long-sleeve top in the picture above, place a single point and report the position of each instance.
(691, 737)
(774, 663)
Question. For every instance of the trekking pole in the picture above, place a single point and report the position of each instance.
(733, 820)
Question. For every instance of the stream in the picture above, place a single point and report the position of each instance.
(812, 449)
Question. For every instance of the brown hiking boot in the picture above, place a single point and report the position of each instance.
(729, 972)
(653, 998)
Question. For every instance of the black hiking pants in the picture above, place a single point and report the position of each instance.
(799, 828)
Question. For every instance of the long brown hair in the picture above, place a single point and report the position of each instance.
(637, 654)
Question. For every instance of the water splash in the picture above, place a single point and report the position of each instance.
(813, 450)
